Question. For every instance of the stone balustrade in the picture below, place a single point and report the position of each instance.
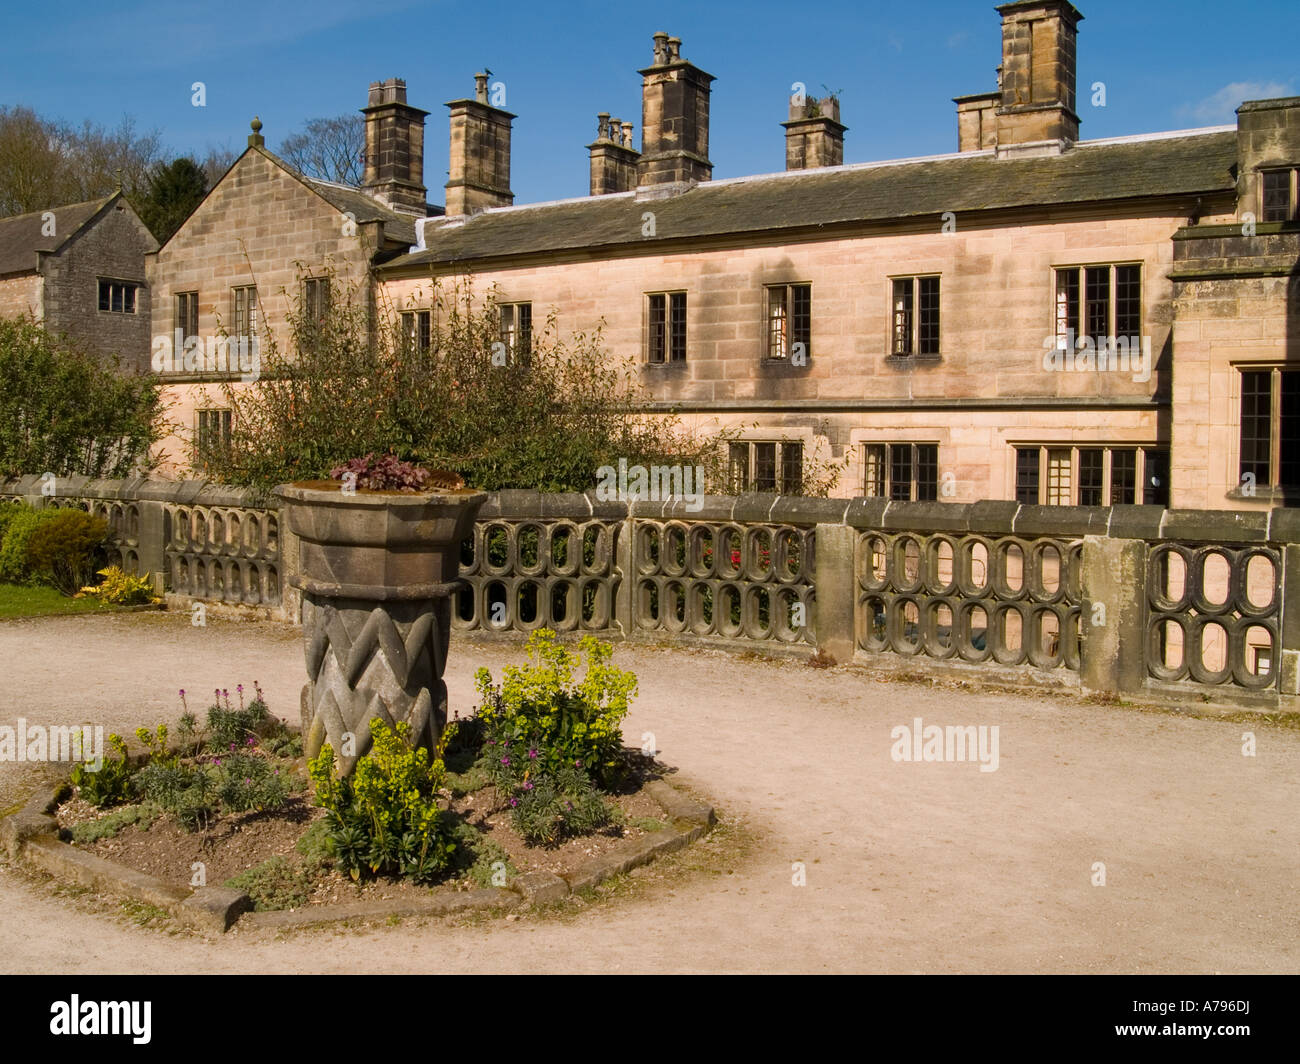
(1124, 600)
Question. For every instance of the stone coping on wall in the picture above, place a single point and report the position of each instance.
(988, 517)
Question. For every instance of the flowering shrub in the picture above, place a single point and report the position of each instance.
(540, 720)
(384, 818)
(111, 785)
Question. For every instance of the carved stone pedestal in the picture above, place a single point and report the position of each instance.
(377, 571)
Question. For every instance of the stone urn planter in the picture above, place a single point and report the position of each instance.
(376, 570)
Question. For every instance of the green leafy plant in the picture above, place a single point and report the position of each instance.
(20, 525)
(541, 720)
(63, 550)
(114, 823)
(278, 883)
(119, 588)
(230, 728)
(111, 785)
(384, 818)
(65, 410)
(553, 807)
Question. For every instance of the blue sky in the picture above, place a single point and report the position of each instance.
(1165, 65)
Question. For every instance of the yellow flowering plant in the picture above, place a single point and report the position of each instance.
(385, 818)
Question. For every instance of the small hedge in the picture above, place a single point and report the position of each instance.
(56, 546)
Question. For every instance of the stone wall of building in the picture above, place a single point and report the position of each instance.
(22, 296)
(260, 226)
(112, 247)
(987, 390)
(1237, 307)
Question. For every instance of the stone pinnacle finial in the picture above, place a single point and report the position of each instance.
(255, 139)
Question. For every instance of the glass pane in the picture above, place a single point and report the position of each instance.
(1155, 489)
(765, 467)
(792, 468)
(1059, 467)
(903, 317)
(1123, 476)
(776, 323)
(1128, 301)
(677, 325)
(1289, 430)
(1027, 475)
(1067, 302)
(928, 323)
(1090, 476)
(900, 471)
(1256, 426)
(738, 461)
(927, 471)
(873, 457)
(1097, 299)
(128, 298)
(1276, 196)
(105, 295)
(801, 317)
(658, 324)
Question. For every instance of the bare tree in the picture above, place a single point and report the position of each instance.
(328, 149)
(44, 163)
(219, 159)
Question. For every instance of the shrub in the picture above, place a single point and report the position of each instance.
(111, 785)
(22, 523)
(63, 550)
(121, 589)
(188, 792)
(248, 783)
(551, 808)
(384, 818)
(63, 410)
(539, 721)
(230, 728)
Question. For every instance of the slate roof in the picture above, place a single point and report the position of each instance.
(1183, 164)
(21, 236)
(398, 227)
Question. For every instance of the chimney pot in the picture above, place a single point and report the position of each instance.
(480, 87)
(661, 48)
(602, 125)
(627, 134)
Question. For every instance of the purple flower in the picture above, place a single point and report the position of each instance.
(239, 687)
(577, 764)
(248, 779)
(505, 761)
(492, 742)
(528, 785)
(252, 741)
(182, 692)
(232, 746)
(533, 753)
(514, 802)
(216, 761)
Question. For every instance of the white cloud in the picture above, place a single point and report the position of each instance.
(1219, 108)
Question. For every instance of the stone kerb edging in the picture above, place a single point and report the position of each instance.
(32, 835)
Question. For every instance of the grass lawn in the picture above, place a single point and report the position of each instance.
(18, 601)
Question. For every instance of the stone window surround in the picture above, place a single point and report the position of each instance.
(1112, 310)
(1272, 490)
(667, 360)
(788, 287)
(1293, 203)
(113, 282)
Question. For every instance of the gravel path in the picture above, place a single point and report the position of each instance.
(910, 867)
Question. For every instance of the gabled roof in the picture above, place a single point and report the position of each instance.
(398, 227)
(23, 235)
(1182, 164)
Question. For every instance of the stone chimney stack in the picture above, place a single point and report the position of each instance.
(480, 154)
(613, 159)
(977, 121)
(394, 160)
(674, 118)
(1039, 39)
(813, 135)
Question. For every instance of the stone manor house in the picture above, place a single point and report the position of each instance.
(1032, 317)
